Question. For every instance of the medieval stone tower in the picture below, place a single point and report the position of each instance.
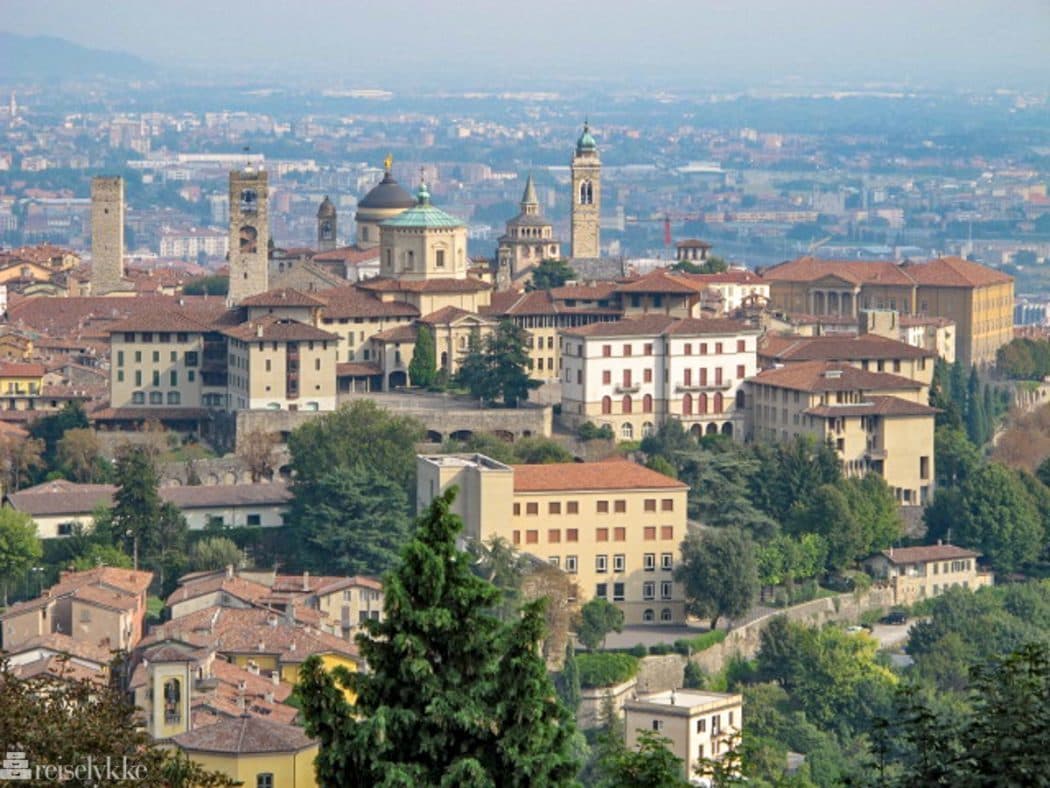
(586, 196)
(327, 224)
(249, 234)
(107, 235)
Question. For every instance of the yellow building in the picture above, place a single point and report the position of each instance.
(979, 300)
(699, 725)
(614, 527)
(877, 422)
(19, 378)
(917, 573)
(256, 752)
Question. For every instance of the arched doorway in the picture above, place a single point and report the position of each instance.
(712, 429)
(727, 429)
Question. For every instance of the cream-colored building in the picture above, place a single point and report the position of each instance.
(528, 241)
(917, 573)
(614, 527)
(634, 374)
(281, 364)
(877, 422)
(384, 201)
(699, 725)
(423, 243)
(738, 287)
(586, 168)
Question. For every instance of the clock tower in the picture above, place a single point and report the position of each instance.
(586, 196)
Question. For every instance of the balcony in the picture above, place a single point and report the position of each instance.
(627, 389)
(874, 453)
(681, 388)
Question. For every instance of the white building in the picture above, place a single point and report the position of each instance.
(187, 244)
(635, 374)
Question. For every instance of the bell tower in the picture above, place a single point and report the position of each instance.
(249, 234)
(586, 196)
(327, 225)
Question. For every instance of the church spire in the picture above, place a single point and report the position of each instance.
(530, 203)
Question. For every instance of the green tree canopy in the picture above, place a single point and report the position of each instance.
(598, 617)
(215, 552)
(497, 369)
(549, 274)
(719, 572)
(19, 546)
(996, 516)
(422, 370)
(452, 696)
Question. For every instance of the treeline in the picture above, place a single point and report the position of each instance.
(1024, 359)
(967, 402)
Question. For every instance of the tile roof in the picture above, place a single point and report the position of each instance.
(814, 376)
(21, 370)
(356, 369)
(347, 254)
(283, 296)
(732, 276)
(693, 243)
(596, 292)
(840, 348)
(439, 285)
(352, 301)
(657, 325)
(402, 333)
(57, 666)
(207, 495)
(58, 644)
(447, 314)
(163, 320)
(70, 317)
(270, 328)
(611, 475)
(661, 281)
(244, 735)
(808, 269)
(114, 600)
(954, 272)
(237, 587)
(933, 552)
(874, 406)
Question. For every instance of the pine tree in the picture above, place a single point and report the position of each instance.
(569, 680)
(422, 370)
(474, 371)
(976, 423)
(508, 361)
(452, 696)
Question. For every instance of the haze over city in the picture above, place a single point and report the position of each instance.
(482, 44)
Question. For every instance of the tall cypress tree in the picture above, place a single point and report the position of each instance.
(423, 368)
(976, 423)
(453, 696)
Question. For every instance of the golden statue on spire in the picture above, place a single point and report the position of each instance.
(388, 162)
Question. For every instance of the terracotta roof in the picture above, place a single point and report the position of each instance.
(237, 587)
(19, 370)
(270, 328)
(148, 413)
(595, 292)
(202, 495)
(129, 580)
(875, 406)
(351, 301)
(57, 643)
(98, 595)
(933, 552)
(56, 666)
(356, 369)
(245, 735)
(693, 243)
(163, 320)
(840, 348)
(814, 376)
(732, 276)
(661, 281)
(655, 325)
(61, 497)
(402, 333)
(284, 296)
(442, 285)
(447, 314)
(347, 254)
(614, 475)
(808, 269)
(68, 318)
(954, 272)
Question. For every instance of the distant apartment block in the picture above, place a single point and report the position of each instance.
(191, 243)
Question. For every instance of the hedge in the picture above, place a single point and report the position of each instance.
(689, 646)
(603, 669)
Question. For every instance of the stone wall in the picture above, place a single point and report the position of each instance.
(659, 673)
(591, 700)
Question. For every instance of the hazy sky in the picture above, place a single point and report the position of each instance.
(488, 44)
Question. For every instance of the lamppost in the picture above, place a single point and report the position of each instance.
(134, 537)
(38, 571)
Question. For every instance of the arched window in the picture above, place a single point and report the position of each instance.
(647, 429)
(606, 405)
(701, 404)
(687, 405)
(626, 404)
(665, 614)
(444, 359)
(648, 616)
(712, 429)
(627, 431)
(740, 399)
(586, 193)
(172, 702)
(249, 200)
(719, 405)
(249, 239)
(647, 403)
(727, 429)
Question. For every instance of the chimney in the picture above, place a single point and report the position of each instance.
(275, 677)
(262, 646)
(229, 570)
(291, 647)
(306, 581)
(269, 697)
(259, 330)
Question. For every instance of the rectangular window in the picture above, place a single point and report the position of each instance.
(517, 510)
(554, 561)
(173, 377)
(741, 346)
(667, 532)
(649, 590)
(658, 725)
(620, 534)
(120, 358)
(603, 507)
(606, 350)
(600, 590)
(554, 507)
(650, 533)
(688, 348)
(619, 562)
(649, 562)
(667, 505)
(138, 356)
(120, 376)
(740, 372)
(156, 398)
(572, 535)
(532, 536)
(601, 563)
(667, 561)
(620, 506)
(264, 780)
(601, 535)
(665, 590)
(532, 508)
(254, 519)
(572, 507)
(701, 725)
(647, 375)
(627, 350)
(516, 537)
(650, 505)
(618, 592)
(648, 348)
(156, 356)
(553, 535)
(718, 347)
(703, 348)
(147, 337)
(570, 564)
(606, 377)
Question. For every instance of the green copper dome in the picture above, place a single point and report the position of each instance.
(423, 214)
(586, 141)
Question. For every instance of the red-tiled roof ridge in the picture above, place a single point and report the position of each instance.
(624, 475)
(924, 553)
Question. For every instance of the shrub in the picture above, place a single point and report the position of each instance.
(603, 669)
(638, 651)
(694, 677)
(588, 431)
(660, 649)
(687, 646)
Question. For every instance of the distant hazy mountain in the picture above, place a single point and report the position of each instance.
(47, 58)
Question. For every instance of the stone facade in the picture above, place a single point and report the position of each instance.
(107, 234)
(327, 226)
(249, 234)
(586, 198)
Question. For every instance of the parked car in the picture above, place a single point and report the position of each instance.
(894, 617)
